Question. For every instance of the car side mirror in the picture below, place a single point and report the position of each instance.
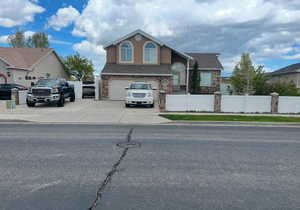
(127, 88)
(32, 84)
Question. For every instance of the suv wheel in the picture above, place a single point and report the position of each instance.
(72, 98)
(61, 101)
(30, 104)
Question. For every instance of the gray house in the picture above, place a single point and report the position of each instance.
(286, 74)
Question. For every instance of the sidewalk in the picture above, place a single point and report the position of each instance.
(232, 114)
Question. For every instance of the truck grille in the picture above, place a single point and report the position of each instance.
(41, 92)
(139, 95)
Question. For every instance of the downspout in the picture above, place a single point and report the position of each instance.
(187, 76)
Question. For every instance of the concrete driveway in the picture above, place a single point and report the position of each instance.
(85, 111)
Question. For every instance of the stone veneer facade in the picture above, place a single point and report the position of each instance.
(216, 76)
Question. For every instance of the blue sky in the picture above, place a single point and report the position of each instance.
(268, 29)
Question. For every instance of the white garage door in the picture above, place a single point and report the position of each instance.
(117, 88)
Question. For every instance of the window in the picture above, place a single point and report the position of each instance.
(126, 52)
(150, 53)
(205, 79)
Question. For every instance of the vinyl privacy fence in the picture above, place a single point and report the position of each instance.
(232, 103)
(197, 103)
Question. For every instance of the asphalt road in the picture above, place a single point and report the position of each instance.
(60, 167)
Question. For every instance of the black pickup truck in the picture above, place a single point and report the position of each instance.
(50, 91)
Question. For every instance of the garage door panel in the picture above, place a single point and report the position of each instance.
(117, 89)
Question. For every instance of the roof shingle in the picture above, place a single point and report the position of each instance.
(289, 69)
(23, 58)
(206, 60)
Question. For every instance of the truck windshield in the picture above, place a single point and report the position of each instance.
(141, 86)
(47, 82)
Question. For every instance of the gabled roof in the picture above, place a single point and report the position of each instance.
(294, 68)
(139, 31)
(207, 61)
(23, 58)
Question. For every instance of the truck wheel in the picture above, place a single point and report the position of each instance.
(61, 101)
(30, 104)
(72, 98)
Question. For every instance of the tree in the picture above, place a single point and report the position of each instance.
(260, 85)
(283, 88)
(17, 40)
(38, 40)
(243, 76)
(79, 67)
(195, 78)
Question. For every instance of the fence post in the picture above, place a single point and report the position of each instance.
(274, 103)
(217, 101)
(162, 101)
(15, 96)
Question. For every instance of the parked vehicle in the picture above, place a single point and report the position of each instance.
(88, 90)
(50, 91)
(140, 93)
(5, 90)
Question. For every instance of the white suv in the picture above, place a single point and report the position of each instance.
(140, 93)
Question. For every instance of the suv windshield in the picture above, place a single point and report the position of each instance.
(48, 82)
(141, 86)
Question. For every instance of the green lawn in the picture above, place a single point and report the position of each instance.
(231, 118)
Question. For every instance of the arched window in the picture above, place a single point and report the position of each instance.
(150, 52)
(126, 51)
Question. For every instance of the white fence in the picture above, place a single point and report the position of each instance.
(232, 104)
(247, 104)
(22, 96)
(198, 103)
(77, 88)
(289, 104)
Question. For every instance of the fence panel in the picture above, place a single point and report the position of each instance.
(22, 96)
(77, 88)
(200, 103)
(176, 103)
(196, 103)
(247, 104)
(289, 104)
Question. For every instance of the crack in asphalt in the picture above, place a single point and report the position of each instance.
(111, 173)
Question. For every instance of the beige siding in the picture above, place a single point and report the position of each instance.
(111, 55)
(138, 50)
(165, 55)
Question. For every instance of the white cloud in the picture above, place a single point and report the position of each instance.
(265, 28)
(63, 18)
(18, 12)
(92, 51)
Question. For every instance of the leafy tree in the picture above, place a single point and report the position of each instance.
(79, 67)
(243, 75)
(283, 88)
(17, 40)
(38, 40)
(260, 85)
(194, 78)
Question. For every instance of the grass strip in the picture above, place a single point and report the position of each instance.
(230, 118)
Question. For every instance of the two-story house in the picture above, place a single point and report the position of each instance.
(139, 56)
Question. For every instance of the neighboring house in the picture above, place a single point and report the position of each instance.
(286, 74)
(25, 65)
(140, 57)
(226, 86)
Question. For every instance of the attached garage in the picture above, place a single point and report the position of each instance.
(117, 87)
